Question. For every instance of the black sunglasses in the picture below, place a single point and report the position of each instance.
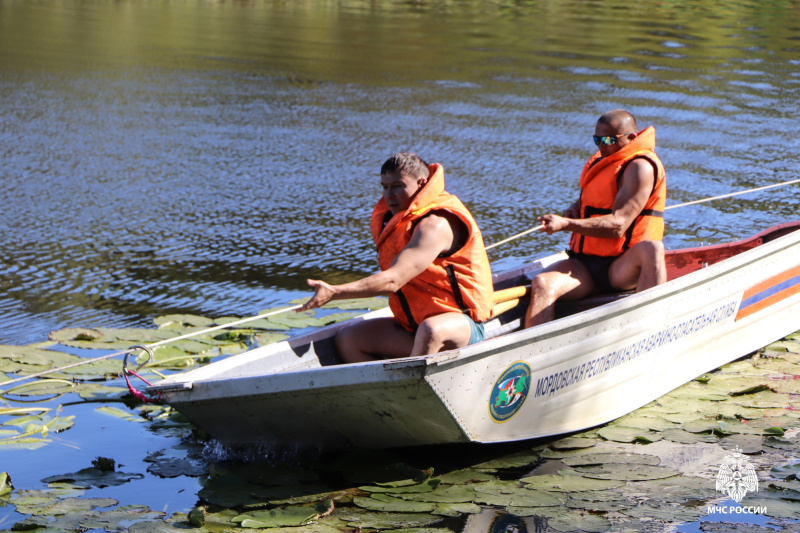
(608, 139)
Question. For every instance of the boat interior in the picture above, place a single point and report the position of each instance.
(317, 348)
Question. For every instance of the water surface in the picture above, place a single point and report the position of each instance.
(209, 157)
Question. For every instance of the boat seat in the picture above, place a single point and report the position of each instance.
(566, 308)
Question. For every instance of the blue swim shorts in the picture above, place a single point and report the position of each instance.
(477, 331)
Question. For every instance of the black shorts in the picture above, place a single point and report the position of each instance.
(598, 267)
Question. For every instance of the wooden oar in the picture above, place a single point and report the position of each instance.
(505, 295)
(502, 307)
(506, 299)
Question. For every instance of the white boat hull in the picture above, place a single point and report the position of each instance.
(581, 371)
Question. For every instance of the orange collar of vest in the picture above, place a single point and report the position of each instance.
(645, 141)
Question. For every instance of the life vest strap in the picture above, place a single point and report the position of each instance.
(407, 309)
(451, 275)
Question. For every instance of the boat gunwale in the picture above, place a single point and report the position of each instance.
(401, 368)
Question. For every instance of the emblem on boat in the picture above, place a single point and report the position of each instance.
(736, 476)
(509, 391)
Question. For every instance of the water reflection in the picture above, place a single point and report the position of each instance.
(208, 157)
(493, 521)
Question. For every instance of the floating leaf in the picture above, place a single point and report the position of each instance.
(625, 434)
(382, 502)
(449, 494)
(703, 425)
(288, 516)
(184, 320)
(509, 461)
(773, 506)
(668, 512)
(780, 444)
(783, 472)
(511, 495)
(734, 426)
(68, 506)
(644, 422)
(601, 458)
(426, 486)
(580, 522)
(573, 443)
(456, 509)
(5, 484)
(460, 477)
(561, 483)
(75, 334)
(600, 501)
(684, 437)
(93, 477)
(119, 413)
(626, 472)
(748, 444)
(375, 520)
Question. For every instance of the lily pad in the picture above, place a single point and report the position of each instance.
(573, 443)
(75, 334)
(626, 472)
(426, 486)
(703, 425)
(561, 483)
(444, 494)
(667, 512)
(522, 497)
(456, 509)
(288, 516)
(601, 458)
(626, 434)
(382, 502)
(93, 477)
(184, 320)
(586, 522)
(748, 444)
(375, 520)
(785, 471)
(510, 461)
(119, 413)
(684, 437)
(655, 423)
(460, 477)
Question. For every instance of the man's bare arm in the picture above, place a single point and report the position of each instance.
(635, 188)
(432, 236)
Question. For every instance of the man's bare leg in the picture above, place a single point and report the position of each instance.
(641, 267)
(567, 279)
(447, 331)
(377, 338)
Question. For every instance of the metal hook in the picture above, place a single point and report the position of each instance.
(130, 350)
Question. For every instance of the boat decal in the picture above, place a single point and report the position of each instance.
(510, 391)
(551, 384)
(769, 292)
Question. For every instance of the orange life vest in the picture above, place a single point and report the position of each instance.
(460, 282)
(599, 189)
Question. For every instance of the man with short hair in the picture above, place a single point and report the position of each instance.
(617, 223)
(433, 267)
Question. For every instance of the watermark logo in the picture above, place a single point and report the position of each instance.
(736, 476)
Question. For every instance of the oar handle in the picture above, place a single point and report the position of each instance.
(505, 295)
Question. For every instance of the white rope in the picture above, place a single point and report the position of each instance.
(732, 194)
(272, 313)
(151, 346)
(531, 230)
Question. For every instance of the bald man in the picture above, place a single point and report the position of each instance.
(617, 223)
